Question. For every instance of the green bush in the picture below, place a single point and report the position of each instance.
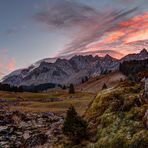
(71, 89)
(75, 128)
(140, 140)
(116, 116)
(104, 86)
(118, 142)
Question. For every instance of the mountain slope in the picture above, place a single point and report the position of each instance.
(95, 84)
(116, 118)
(64, 71)
(60, 72)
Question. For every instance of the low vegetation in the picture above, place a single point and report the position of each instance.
(113, 119)
(116, 118)
(75, 128)
(104, 86)
(71, 89)
(56, 101)
(95, 84)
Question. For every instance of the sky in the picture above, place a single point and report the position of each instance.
(31, 30)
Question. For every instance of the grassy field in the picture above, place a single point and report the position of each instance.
(37, 102)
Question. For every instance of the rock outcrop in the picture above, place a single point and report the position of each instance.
(29, 130)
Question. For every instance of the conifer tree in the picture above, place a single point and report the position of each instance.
(104, 86)
(71, 89)
(75, 128)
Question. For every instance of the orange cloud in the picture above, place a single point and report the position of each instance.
(11, 65)
(136, 28)
(132, 30)
(6, 65)
(113, 37)
(1, 68)
(136, 21)
(137, 36)
(96, 50)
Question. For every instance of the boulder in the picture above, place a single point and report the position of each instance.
(36, 140)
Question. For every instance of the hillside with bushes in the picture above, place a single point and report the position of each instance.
(117, 118)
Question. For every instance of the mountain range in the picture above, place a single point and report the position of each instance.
(66, 71)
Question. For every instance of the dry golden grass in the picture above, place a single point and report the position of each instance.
(95, 84)
(35, 102)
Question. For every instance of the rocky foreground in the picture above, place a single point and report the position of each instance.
(27, 130)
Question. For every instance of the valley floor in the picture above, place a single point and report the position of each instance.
(117, 116)
(30, 119)
(57, 102)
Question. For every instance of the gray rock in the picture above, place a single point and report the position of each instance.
(35, 129)
(36, 140)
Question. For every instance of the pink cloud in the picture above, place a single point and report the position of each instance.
(136, 28)
(1, 67)
(7, 64)
(11, 65)
(133, 30)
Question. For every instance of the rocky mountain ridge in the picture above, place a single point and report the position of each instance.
(66, 71)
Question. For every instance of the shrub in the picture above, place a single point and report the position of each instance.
(104, 86)
(64, 87)
(71, 89)
(140, 140)
(75, 128)
(118, 141)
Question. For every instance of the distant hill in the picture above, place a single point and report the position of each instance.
(64, 71)
(95, 84)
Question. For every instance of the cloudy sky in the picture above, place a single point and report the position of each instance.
(31, 30)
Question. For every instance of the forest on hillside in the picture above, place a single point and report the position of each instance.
(134, 67)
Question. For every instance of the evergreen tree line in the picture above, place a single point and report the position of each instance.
(35, 88)
(133, 67)
(31, 88)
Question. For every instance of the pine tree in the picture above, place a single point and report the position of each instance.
(104, 86)
(86, 78)
(71, 89)
(75, 128)
(83, 81)
(64, 87)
